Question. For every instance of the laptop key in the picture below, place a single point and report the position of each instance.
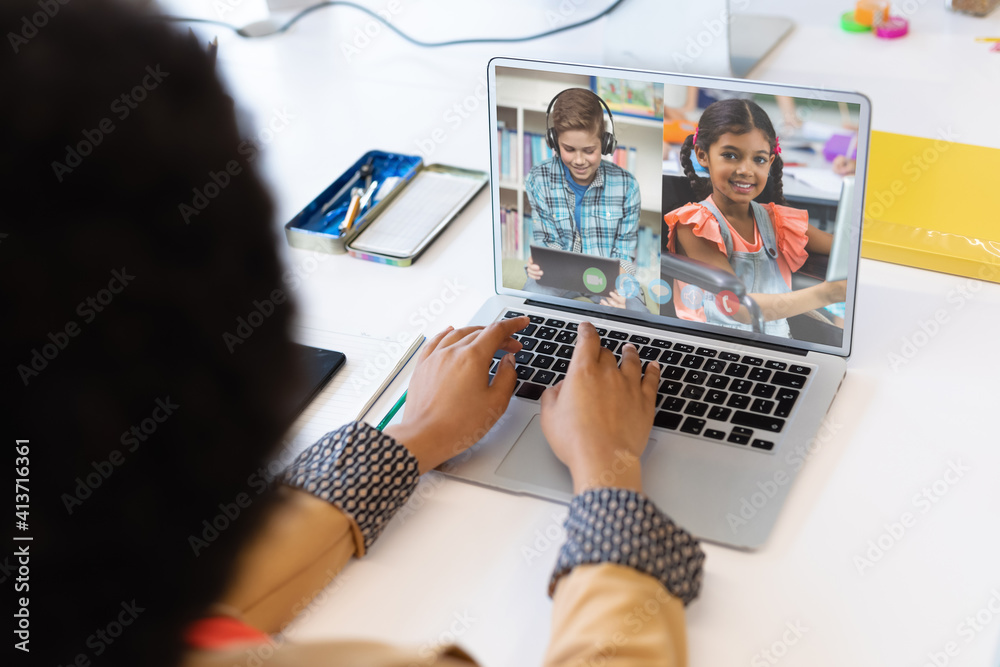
(696, 408)
(741, 386)
(753, 361)
(684, 347)
(715, 435)
(609, 344)
(547, 347)
(558, 324)
(670, 357)
(762, 444)
(523, 357)
(649, 353)
(740, 436)
(715, 366)
(762, 422)
(529, 330)
(674, 404)
(788, 380)
(716, 396)
(717, 381)
(759, 375)
(528, 343)
(546, 333)
(738, 401)
(693, 391)
(565, 337)
(801, 370)
(638, 340)
(544, 377)
(561, 366)
(601, 331)
(763, 390)
(565, 351)
(763, 406)
(719, 414)
(695, 377)
(693, 425)
(493, 366)
(776, 365)
(670, 388)
(692, 361)
(671, 372)
(729, 356)
(536, 319)
(618, 335)
(737, 370)
(559, 378)
(706, 351)
(525, 372)
(784, 409)
(669, 420)
(542, 361)
(662, 344)
(530, 391)
(572, 326)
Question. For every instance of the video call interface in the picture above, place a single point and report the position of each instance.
(589, 207)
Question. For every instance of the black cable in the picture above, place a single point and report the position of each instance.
(390, 26)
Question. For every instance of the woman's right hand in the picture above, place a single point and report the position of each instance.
(534, 271)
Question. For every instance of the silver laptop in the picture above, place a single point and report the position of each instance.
(737, 408)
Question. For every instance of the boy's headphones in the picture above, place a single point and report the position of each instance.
(608, 141)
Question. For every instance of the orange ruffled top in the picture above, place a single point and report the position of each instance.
(790, 225)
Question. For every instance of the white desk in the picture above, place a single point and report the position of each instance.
(454, 568)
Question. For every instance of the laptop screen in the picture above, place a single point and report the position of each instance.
(720, 200)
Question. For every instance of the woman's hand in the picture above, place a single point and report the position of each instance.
(450, 403)
(836, 291)
(598, 419)
(613, 299)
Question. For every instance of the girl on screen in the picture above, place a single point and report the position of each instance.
(762, 244)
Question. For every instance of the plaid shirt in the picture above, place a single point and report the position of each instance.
(610, 211)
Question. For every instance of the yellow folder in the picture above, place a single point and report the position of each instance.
(932, 204)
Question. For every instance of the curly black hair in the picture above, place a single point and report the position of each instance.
(737, 116)
(143, 425)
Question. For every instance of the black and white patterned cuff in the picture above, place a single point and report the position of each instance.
(625, 527)
(365, 473)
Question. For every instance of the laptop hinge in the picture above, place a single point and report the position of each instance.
(667, 327)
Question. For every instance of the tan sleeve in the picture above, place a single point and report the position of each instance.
(302, 546)
(328, 654)
(615, 616)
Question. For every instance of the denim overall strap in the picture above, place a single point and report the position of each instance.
(758, 270)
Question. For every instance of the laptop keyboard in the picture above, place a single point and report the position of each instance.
(717, 394)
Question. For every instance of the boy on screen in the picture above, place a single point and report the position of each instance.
(581, 203)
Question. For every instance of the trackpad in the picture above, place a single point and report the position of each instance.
(531, 461)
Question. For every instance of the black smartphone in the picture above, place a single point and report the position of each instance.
(319, 366)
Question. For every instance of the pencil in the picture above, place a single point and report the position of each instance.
(392, 412)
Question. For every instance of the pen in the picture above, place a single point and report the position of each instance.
(392, 413)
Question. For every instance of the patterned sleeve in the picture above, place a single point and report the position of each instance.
(363, 472)
(627, 236)
(543, 227)
(624, 527)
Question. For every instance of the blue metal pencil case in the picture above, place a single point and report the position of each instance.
(343, 210)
